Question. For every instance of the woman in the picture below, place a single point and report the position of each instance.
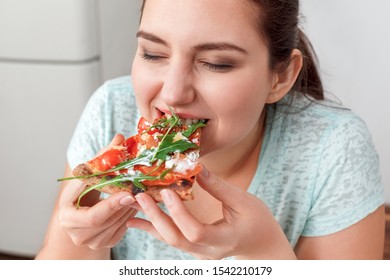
(286, 174)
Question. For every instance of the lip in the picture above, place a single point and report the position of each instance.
(181, 115)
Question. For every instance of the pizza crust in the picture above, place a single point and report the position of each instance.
(182, 187)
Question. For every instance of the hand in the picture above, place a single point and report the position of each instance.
(247, 230)
(102, 223)
(100, 226)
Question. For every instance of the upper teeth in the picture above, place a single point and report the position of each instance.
(190, 121)
(186, 121)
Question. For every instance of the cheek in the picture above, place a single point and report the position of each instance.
(239, 98)
(237, 108)
(145, 88)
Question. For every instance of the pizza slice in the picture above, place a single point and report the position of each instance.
(164, 154)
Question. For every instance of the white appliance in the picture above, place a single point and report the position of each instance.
(53, 55)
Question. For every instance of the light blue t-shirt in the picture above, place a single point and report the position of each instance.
(318, 171)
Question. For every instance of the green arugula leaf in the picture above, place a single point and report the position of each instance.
(192, 128)
(145, 158)
(168, 147)
(103, 182)
(139, 185)
(117, 181)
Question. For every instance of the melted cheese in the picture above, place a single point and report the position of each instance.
(183, 164)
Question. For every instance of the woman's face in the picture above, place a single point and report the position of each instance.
(206, 60)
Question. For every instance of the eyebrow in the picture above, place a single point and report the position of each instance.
(219, 46)
(151, 37)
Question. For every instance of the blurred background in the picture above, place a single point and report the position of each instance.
(55, 53)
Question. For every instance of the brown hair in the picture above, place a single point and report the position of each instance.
(278, 24)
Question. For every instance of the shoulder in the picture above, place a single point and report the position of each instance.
(110, 110)
(320, 121)
(341, 129)
(325, 134)
(121, 84)
(117, 87)
(320, 156)
(117, 92)
(118, 107)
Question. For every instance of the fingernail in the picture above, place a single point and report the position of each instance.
(167, 197)
(127, 200)
(140, 200)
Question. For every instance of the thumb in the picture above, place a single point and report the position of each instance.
(225, 192)
(117, 140)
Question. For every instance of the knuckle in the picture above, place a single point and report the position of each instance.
(94, 247)
(63, 221)
(175, 209)
(111, 244)
(217, 182)
(217, 254)
(94, 220)
(216, 257)
(197, 235)
(153, 214)
(97, 218)
(112, 205)
(77, 240)
(174, 241)
(232, 247)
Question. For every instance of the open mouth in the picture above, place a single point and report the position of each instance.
(184, 118)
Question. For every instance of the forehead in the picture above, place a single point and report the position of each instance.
(201, 19)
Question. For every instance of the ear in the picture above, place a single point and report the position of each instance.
(283, 81)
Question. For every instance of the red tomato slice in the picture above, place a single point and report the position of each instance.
(108, 159)
(129, 149)
(132, 146)
(169, 178)
(144, 125)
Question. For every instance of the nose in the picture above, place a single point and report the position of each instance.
(177, 88)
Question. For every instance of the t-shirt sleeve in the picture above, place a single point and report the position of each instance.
(88, 138)
(348, 186)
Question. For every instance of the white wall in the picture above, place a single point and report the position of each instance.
(118, 26)
(352, 40)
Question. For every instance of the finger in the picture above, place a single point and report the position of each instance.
(112, 234)
(160, 220)
(193, 230)
(71, 192)
(117, 140)
(144, 225)
(105, 210)
(99, 215)
(228, 194)
(102, 236)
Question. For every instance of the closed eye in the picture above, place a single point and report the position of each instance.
(150, 57)
(218, 67)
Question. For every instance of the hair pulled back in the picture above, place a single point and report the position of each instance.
(278, 24)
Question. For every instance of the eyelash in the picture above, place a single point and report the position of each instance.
(217, 67)
(210, 66)
(151, 57)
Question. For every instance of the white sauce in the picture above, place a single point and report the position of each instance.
(182, 165)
